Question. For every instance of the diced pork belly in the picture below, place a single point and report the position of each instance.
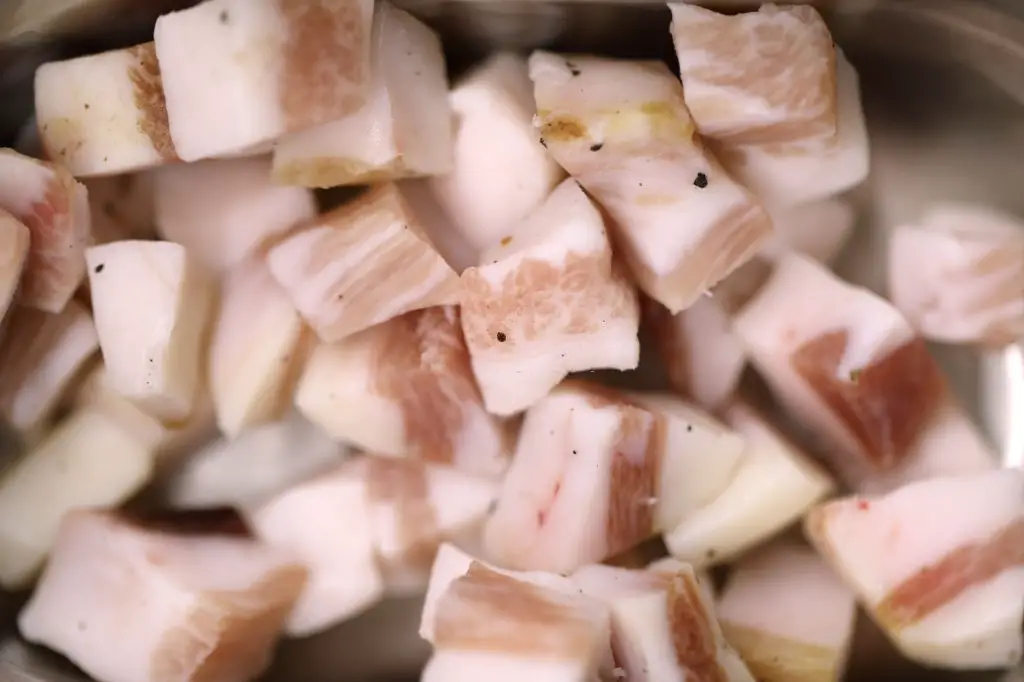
(939, 564)
(87, 461)
(371, 523)
(246, 471)
(596, 472)
(959, 276)
(663, 624)
(818, 230)
(122, 207)
(547, 301)
(403, 130)
(501, 172)
(128, 604)
(788, 615)
(14, 247)
(55, 208)
(621, 128)
(702, 358)
(113, 118)
(495, 627)
(223, 210)
(151, 304)
(848, 365)
(786, 174)
(362, 264)
(256, 351)
(406, 388)
(773, 487)
(40, 355)
(168, 441)
(452, 563)
(758, 77)
(239, 75)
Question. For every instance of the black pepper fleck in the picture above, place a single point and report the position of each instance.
(224, 17)
(543, 143)
(596, 147)
(501, 337)
(689, 427)
(87, 105)
(98, 269)
(573, 69)
(701, 181)
(574, 452)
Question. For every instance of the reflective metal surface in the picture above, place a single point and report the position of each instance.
(943, 84)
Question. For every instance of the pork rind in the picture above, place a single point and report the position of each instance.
(406, 388)
(305, 62)
(622, 129)
(788, 615)
(959, 275)
(128, 604)
(403, 130)
(362, 264)
(776, 483)
(546, 301)
(597, 472)
(55, 209)
(937, 564)
(113, 120)
(850, 368)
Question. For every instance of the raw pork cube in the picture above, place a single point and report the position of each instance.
(151, 304)
(959, 276)
(702, 357)
(406, 388)
(87, 461)
(757, 77)
(494, 627)
(40, 355)
(502, 172)
(547, 301)
(104, 113)
(784, 175)
(621, 128)
(403, 130)
(55, 209)
(849, 367)
(596, 472)
(362, 264)
(256, 351)
(127, 604)
(788, 615)
(663, 624)
(938, 564)
(238, 75)
(775, 485)
(223, 210)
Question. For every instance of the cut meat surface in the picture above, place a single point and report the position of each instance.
(547, 301)
(622, 129)
(189, 608)
(406, 388)
(757, 77)
(938, 564)
(362, 264)
(597, 472)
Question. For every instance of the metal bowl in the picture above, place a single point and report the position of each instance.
(943, 84)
